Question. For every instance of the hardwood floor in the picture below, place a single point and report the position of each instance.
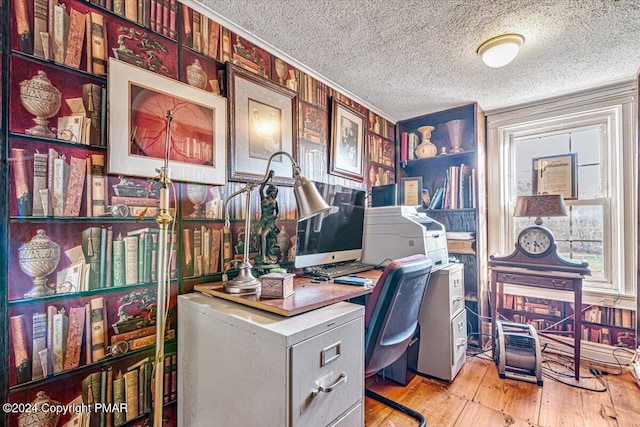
(479, 398)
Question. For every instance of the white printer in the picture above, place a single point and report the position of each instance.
(392, 232)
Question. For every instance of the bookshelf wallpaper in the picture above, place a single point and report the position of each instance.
(86, 335)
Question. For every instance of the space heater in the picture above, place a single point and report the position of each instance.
(517, 352)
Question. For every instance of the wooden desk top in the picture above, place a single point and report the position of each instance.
(308, 295)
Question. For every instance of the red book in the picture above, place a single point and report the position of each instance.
(173, 7)
(404, 149)
(165, 16)
(152, 15)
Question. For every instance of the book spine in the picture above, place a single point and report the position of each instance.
(53, 155)
(103, 398)
(39, 343)
(227, 250)
(91, 246)
(23, 27)
(131, 394)
(140, 12)
(148, 375)
(148, 246)
(19, 168)
(74, 338)
(131, 10)
(186, 25)
(173, 10)
(87, 334)
(132, 335)
(166, 14)
(119, 263)
(131, 260)
(51, 312)
(102, 278)
(73, 199)
(109, 398)
(166, 388)
(92, 100)
(19, 344)
(134, 201)
(98, 185)
(40, 8)
(39, 182)
(214, 39)
(88, 48)
(60, 32)
(174, 377)
(141, 258)
(98, 331)
(118, 7)
(75, 38)
(187, 254)
(60, 181)
(60, 331)
(109, 259)
(206, 251)
(98, 44)
(119, 417)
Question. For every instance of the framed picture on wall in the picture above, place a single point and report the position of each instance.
(411, 190)
(262, 118)
(347, 142)
(556, 175)
(139, 101)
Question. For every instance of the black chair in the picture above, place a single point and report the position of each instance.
(391, 318)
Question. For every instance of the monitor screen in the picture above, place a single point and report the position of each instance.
(334, 235)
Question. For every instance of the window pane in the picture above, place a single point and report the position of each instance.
(587, 144)
(587, 222)
(590, 184)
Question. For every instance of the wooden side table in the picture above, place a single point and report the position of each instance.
(555, 280)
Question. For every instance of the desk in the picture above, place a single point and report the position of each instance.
(556, 280)
(309, 295)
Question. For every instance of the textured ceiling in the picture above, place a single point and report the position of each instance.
(405, 58)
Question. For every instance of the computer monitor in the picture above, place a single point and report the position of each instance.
(335, 235)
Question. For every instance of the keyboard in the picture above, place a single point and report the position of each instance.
(329, 271)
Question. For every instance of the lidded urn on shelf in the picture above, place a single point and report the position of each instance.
(41, 99)
(39, 258)
(426, 147)
(38, 415)
(196, 75)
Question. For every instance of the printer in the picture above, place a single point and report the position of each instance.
(392, 232)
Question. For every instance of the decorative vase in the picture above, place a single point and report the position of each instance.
(41, 99)
(283, 241)
(455, 131)
(426, 147)
(38, 415)
(39, 258)
(196, 75)
(281, 70)
(197, 195)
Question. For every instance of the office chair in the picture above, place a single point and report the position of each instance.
(391, 318)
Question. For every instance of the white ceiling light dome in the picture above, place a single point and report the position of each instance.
(501, 50)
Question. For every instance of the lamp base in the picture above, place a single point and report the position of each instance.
(244, 283)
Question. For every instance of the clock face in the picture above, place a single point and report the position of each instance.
(535, 240)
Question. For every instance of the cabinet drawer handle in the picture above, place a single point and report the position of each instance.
(509, 276)
(461, 341)
(331, 353)
(558, 282)
(458, 298)
(456, 283)
(341, 380)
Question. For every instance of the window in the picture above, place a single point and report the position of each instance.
(600, 227)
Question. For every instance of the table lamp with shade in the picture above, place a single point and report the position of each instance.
(309, 202)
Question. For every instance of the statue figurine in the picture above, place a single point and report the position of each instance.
(266, 228)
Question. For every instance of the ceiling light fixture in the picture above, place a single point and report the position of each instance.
(501, 50)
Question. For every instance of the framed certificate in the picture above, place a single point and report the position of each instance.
(411, 191)
(556, 175)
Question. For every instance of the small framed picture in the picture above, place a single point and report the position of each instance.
(347, 142)
(556, 175)
(411, 191)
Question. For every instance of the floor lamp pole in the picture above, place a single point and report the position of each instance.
(163, 219)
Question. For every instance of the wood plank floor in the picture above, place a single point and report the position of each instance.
(478, 398)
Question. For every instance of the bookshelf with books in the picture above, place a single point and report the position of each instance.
(56, 189)
(454, 188)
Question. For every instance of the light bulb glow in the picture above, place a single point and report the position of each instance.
(499, 51)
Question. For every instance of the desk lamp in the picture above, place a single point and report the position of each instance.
(309, 202)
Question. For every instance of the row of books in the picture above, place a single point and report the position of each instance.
(57, 338)
(111, 260)
(86, 124)
(157, 15)
(380, 151)
(313, 91)
(609, 336)
(542, 324)
(202, 34)
(119, 398)
(610, 316)
(409, 141)
(534, 305)
(203, 250)
(458, 191)
(58, 184)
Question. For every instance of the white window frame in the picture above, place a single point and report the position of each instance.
(614, 109)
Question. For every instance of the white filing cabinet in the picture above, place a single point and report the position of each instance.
(443, 324)
(240, 366)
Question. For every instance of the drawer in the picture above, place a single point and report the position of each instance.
(456, 290)
(332, 360)
(459, 337)
(537, 281)
(353, 418)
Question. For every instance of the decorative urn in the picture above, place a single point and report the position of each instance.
(39, 258)
(281, 70)
(196, 75)
(426, 147)
(42, 100)
(197, 194)
(38, 415)
(455, 131)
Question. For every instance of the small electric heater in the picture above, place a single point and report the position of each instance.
(517, 352)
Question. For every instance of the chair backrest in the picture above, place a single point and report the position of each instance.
(391, 313)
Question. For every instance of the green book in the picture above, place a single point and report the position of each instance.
(119, 417)
(91, 247)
